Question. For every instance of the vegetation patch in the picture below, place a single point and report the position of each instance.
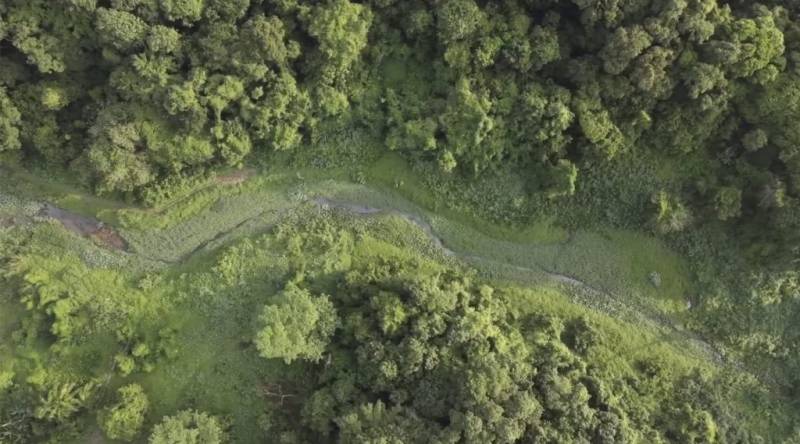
(399, 221)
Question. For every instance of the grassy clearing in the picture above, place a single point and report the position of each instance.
(616, 261)
(621, 262)
(393, 175)
(56, 188)
(214, 372)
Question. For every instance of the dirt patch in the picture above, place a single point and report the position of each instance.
(110, 239)
(76, 223)
(236, 177)
(86, 226)
(6, 222)
(352, 208)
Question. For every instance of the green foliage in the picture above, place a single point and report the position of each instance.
(76, 299)
(449, 359)
(187, 85)
(115, 158)
(467, 124)
(457, 20)
(439, 353)
(550, 116)
(122, 30)
(625, 45)
(267, 35)
(671, 214)
(10, 118)
(600, 130)
(562, 179)
(163, 39)
(296, 326)
(124, 420)
(185, 11)
(544, 119)
(545, 47)
(340, 27)
(757, 42)
(188, 427)
(414, 339)
(728, 203)
(233, 142)
(755, 140)
(60, 401)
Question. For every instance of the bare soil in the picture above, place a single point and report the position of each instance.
(109, 238)
(86, 226)
(236, 177)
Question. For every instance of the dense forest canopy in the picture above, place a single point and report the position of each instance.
(534, 82)
(434, 357)
(135, 93)
(678, 118)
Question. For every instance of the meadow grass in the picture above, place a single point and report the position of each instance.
(613, 260)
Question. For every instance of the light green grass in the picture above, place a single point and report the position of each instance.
(620, 262)
(617, 336)
(615, 261)
(393, 175)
